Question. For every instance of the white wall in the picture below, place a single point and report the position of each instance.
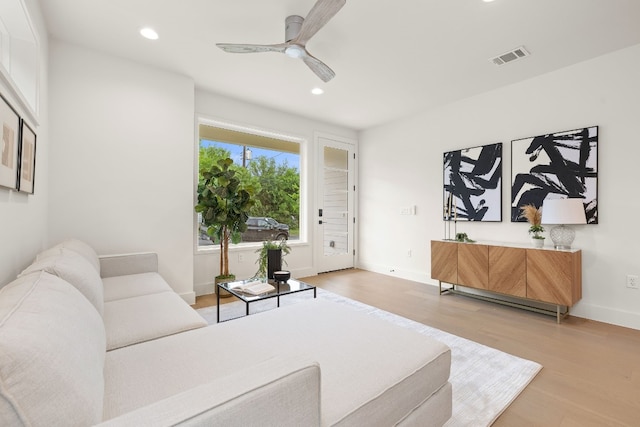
(121, 162)
(23, 218)
(300, 260)
(401, 165)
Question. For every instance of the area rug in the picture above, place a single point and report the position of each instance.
(484, 380)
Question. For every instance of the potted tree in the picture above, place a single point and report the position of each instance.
(224, 203)
(534, 216)
(270, 257)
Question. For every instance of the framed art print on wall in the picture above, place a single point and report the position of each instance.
(9, 126)
(555, 165)
(27, 159)
(473, 184)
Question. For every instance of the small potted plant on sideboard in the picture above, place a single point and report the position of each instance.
(534, 216)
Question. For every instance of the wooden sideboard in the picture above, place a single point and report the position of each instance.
(544, 275)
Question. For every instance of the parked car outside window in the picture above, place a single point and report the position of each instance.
(259, 229)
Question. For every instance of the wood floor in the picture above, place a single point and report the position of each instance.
(591, 370)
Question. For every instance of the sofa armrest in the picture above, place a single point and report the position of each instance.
(279, 392)
(122, 265)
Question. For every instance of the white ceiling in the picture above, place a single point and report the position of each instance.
(391, 58)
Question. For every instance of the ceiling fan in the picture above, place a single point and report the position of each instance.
(298, 31)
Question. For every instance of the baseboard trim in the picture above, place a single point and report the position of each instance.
(205, 289)
(613, 316)
(415, 276)
(189, 297)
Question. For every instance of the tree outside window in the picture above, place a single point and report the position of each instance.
(275, 176)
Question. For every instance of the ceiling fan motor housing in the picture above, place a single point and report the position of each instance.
(297, 32)
(292, 27)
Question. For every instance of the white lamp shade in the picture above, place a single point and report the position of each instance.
(563, 211)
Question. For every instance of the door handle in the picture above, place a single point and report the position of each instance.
(320, 222)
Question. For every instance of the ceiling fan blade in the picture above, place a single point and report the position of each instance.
(320, 68)
(317, 18)
(252, 48)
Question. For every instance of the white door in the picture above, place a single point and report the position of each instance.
(335, 213)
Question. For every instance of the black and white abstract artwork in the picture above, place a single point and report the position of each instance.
(473, 184)
(555, 165)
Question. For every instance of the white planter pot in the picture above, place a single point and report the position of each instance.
(537, 243)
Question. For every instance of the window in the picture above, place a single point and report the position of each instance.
(19, 53)
(272, 166)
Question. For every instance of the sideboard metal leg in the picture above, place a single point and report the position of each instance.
(444, 290)
(560, 315)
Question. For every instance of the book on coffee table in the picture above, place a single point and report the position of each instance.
(255, 288)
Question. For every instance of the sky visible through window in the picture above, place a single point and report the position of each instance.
(280, 157)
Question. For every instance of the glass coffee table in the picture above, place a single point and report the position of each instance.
(291, 286)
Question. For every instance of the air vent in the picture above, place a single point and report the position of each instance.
(512, 55)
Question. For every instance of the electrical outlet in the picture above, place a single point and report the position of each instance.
(240, 257)
(632, 281)
(408, 210)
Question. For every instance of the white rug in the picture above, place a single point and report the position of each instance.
(485, 380)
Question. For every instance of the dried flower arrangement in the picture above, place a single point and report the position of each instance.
(534, 216)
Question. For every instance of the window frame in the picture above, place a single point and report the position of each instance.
(303, 173)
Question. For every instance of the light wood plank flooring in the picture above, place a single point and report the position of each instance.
(591, 374)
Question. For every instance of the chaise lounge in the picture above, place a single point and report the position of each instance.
(88, 340)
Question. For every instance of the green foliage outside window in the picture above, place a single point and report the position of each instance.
(276, 186)
(279, 194)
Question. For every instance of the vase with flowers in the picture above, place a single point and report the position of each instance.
(533, 215)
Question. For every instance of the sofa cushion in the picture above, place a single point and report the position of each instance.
(371, 369)
(282, 392)
(133, 285)
(138, 319)
(75, 269)
(52, 350)
(434, 412)
(126, 264)
(77, 246)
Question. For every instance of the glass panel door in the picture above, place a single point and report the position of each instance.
(335, 214)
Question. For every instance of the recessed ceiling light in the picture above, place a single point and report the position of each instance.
(149, 33)
(487, 1)
(317, 91)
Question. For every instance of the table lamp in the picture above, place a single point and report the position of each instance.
(563, 212)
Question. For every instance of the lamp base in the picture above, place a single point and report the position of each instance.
(562, 237)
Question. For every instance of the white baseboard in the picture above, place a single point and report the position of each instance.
(205, 289)
(189, 297)
(416, 276)
(304, 272)
(613, 316)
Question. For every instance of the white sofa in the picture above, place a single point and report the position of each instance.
(77, 349)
